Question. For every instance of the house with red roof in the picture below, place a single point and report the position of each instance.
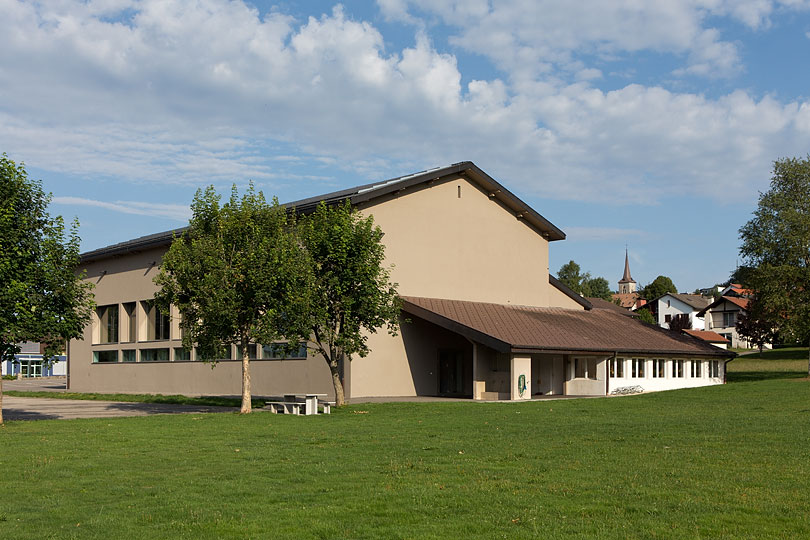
(721, 316)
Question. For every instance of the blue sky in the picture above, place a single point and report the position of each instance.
(647, 124)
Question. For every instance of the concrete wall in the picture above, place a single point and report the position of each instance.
(521, 377)
(670, 381)
(585, 386)
(407, 364)
(129, 279)
(450, 240)
(557, 298)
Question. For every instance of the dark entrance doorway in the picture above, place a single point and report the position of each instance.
(453, 372)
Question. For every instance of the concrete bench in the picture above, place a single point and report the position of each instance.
(285, 407)
(327, 406)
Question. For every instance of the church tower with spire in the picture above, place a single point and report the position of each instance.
(627, 284)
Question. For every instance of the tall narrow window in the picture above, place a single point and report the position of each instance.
(129, 324)
(157, 325)
(714, 368)
(617, 367)
(108, 323)
(592, 363)
(696, 368)
(579, 368)
(638, 368)
(677, 368)
(658, 368)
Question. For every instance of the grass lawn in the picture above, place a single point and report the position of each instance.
(775, 364)
(727, 461)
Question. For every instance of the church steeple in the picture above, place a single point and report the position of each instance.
(627, 284)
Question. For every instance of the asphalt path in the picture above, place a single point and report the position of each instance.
(25, 408)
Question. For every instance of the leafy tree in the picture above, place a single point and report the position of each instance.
(42, 298)
(755, 325)
(597, 288)
(352, 293)
(239, 276)
(659, 287)
(681, 321)
(776, 247)
(741, 275)
(569, 274)
(645, 316)
(584, 284)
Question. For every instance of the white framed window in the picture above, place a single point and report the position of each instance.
(714, 368)
(729, 318)
(677, 369)
(638, 368)
(658, 369)
(695, 370)
(616, 367)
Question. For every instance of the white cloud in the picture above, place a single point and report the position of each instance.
(601, 234)
(177, 212)
(196, 92)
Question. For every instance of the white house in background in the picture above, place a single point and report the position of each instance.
(721, 317)
(673, 305)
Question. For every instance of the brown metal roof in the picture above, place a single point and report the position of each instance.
(512, 328)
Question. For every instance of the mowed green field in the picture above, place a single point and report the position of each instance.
(729, 461)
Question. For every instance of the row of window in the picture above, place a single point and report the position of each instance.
(658, 368)
(120, 323)
(274, 351)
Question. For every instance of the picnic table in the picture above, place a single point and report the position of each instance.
(293, 403)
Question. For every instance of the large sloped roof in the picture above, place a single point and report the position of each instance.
(366, 193)
(509, 328)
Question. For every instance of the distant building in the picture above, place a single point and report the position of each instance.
(672, 305)
(628, 297)
(627, 284)
(30, 362)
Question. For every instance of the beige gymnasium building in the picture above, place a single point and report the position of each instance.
(482, 316)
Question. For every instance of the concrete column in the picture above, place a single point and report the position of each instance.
(479, 384)
(521, 376)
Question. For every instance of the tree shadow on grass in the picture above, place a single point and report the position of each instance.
(750, 376)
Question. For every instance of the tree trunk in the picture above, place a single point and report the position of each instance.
(340, 397)
(246, 404)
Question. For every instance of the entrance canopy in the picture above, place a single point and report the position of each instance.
(524, 329)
